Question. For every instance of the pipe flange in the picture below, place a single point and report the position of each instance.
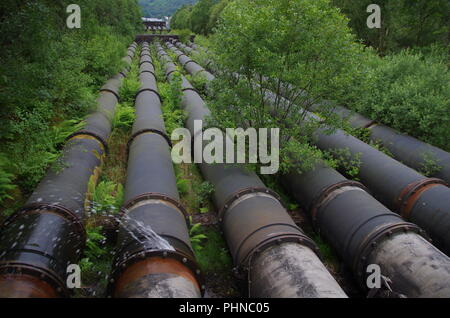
(155, 196)
(107, 90)
(373, 240)
(190, 61)
(323, 196)
(144, 53)
(44, 274)
(141, 255)
(300, 238)
(147, 71)
(149, 90)
(142, 62)
(202, 70)
(149, 130)
(412, 192)
(91, 134)
(240, 193)
(190, 89)
(57, 209)
(370, 125)
(178, 53)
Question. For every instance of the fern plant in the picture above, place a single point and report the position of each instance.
(94, 249)
(196, 236)
(63, 130)
(107, 197)
(124, 117)
(130, 84)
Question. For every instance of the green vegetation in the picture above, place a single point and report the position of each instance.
(96, 263)
(184, 35)
(162, 8)
(171, 95)
(6, 180)
(210, 250)
(196, 236)
(408, 91)
(200, 18)
(429, 166)
(199, 82)
(107, 197)
(50, 73)
(343, 160)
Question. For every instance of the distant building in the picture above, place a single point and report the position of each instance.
(154, 24)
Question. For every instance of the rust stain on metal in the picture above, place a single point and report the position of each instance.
(25, 286)
(412, 192)
(154, 265)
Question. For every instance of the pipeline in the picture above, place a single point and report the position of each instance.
(258, 230)
(363, 223)
(418, 199)
(191, 66)
(406, 149)
(421, 200)
(147, 265)
(38, 242)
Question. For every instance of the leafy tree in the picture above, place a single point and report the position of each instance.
(162, 8)
(182, 18)
(215, 12)
(200, 16)
(281, 46)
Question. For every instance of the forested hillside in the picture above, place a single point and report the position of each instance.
(51, 73)
(162, 8)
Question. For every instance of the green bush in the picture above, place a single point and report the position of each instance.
(184, 34)
(409, 92)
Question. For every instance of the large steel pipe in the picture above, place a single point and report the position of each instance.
(410, 151)
(423, 201)
(38, 242)
(364, 232)
(208, 64)
(256, 225)
(154, 258)
(418, 199)
(191, 66)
